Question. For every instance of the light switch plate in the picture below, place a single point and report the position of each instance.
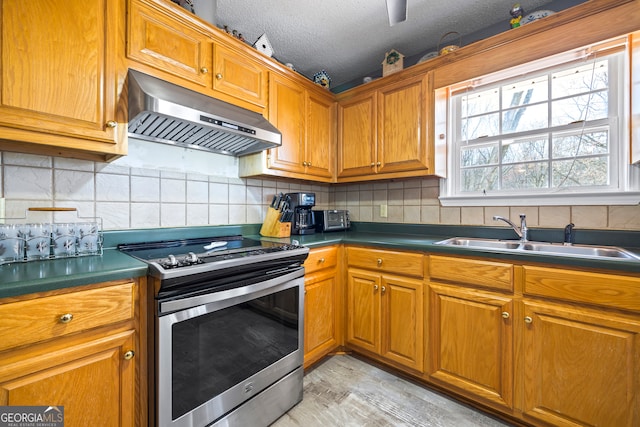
(2, 211)
(383, 211)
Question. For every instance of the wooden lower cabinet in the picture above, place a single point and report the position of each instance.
(581, 366)
(385, 316)
(471, 342)
(322, 303)
(80, 349)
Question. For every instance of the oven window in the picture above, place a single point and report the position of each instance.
(215, 351)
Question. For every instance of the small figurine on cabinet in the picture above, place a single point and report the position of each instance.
(516, 12)
(322, 78)
(393, 62)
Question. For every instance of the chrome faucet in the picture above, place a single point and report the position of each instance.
(521, 231)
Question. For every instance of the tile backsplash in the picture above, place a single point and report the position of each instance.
(130, 196)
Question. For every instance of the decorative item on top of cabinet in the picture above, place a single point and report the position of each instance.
(385, 311)
(62, 98)
(393, 62)
(322, 316)
(305, 115)
(386, 132)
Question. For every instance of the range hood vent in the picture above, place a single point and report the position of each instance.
(160, 111)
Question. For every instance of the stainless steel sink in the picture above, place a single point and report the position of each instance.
(588, 251)
(480, 243)
(583, 251)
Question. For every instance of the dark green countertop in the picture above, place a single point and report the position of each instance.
(38, 276)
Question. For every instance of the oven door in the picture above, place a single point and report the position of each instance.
(227, 347)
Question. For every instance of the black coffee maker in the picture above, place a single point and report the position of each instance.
(301, 204)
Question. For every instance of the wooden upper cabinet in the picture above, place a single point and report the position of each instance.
(163, 41)
(286, 112)
(386, 133)
(320, 147)
(60, 79)
(239, 76)
(357, 135)
(156, 39)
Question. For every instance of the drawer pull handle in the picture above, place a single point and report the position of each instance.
(66, 318)
(129, 355)
(528, 319)
(505, 314)
(379, 261)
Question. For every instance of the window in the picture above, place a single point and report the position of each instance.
(541, 133)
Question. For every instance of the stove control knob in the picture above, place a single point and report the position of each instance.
(191, 258)
(172, 261)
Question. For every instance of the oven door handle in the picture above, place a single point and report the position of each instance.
(227, 298)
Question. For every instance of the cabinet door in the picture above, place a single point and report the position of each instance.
(286, 112)
(320, 325)
(403, 126)
(158, 40)
(357, 136)
(59, 76)
(581, 367)
(403, 321)
(471, 337)
(239, 76)
(363, 310)
(320, 136)
(92, 380)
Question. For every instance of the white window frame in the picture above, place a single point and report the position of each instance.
(624, 187)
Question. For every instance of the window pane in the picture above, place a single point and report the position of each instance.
(473, 103)
(525, 92)
(476, 156)
(522, 151)
(530, 175)
(585, 107)
(480, 179)
(581, 172)
(480, 126)
(581, 79)
(525, 118)
(581, 145)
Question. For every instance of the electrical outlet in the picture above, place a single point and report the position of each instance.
(383, 211)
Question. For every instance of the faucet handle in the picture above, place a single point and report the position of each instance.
(569, 235)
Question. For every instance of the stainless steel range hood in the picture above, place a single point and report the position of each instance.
(160, 111)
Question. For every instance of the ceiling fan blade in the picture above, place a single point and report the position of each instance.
(397, 10)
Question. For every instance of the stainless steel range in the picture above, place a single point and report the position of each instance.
(228, 329)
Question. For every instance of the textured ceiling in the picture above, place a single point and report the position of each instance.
(349, 38)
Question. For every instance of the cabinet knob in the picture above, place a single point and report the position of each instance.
(304, 164)
(218, 76)
(321, 260)
(66, 318)
(528, 319)
(384, 289)
(112, 124)
(505, 314)
(379, 261)
(308, 163)
(378, 164)
(129, 355)
(204, 70)
(375, 287)
(372, 164)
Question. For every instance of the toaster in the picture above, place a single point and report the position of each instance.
(331, 220)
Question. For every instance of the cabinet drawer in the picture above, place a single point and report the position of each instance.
(489, 274)
(321, 258)
(39, 319)
(609, 290)
(405, 263)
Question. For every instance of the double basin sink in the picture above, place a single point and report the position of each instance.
(583, 251)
